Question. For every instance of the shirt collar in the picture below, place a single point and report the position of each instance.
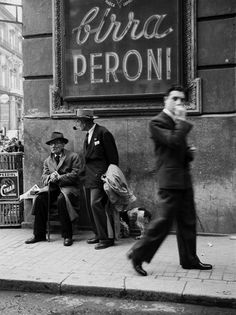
(90, 133)
(167, 112)
(61, 154)
(91, 129)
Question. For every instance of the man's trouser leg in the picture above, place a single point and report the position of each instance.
(186, 229)
(89, 211)
(40, 211)
(66, 225)
(98, 200)
(159, 227)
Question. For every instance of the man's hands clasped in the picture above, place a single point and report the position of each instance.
(54, 177)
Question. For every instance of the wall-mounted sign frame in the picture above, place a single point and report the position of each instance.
(120, 56)
(9, 185)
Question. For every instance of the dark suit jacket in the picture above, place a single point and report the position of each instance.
(100, 153)
(171, 150)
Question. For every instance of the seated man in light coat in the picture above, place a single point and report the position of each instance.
(61, 170)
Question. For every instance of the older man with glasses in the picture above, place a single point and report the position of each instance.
(61, 172)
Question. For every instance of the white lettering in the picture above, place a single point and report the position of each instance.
(140, 65)
(149, 29)
(75, 65)
(109, 69)
(131, 66)
(8, 174)
(168, 63)
(84, 26)
(94, 67)
(153, 63)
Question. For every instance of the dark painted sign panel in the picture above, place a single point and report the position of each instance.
(120, 47)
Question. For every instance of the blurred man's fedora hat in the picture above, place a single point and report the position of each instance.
(57, 136)
(85, 114)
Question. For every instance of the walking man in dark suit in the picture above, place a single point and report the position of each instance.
(169, 131)
(61, 171)
(99, 152)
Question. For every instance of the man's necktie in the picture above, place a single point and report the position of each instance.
(86, 140)
(57, 158)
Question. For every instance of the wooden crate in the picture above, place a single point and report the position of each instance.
(11, 160)
(11, 213)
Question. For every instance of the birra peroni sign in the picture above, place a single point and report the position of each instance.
(121, 47)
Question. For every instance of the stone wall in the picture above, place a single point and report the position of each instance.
(214, 133)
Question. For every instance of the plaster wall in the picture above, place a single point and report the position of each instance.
(214, 132)
(213, 169)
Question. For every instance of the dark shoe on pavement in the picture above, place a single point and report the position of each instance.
(35, 239)
(104, 244)
(199, 265)
(137, 265)
(68, 241)
(93, 240)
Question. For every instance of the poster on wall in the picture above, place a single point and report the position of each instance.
(9, 185)
(115, 48)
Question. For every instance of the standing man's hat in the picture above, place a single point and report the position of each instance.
(57, 136)
(85, 113)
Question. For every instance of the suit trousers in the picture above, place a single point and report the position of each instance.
(175, 204)
(41, 213)
(89, 211)
(98, 201)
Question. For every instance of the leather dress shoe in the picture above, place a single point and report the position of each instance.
(35, 239)
(104, 244)
(68, 241)
(93, 240)
(137, 265)
(199, 265)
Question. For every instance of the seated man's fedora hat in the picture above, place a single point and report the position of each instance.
(57, 136)
(85, 114)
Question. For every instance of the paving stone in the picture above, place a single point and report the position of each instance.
(217, 294)
(93, 284)
(154, 289)
(52, 267)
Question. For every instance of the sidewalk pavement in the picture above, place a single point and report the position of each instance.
(80, 269)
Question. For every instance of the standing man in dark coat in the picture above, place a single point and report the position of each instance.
(169, 131)
(61, 171)
(99, 152)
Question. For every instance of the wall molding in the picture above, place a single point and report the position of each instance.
(123, 106)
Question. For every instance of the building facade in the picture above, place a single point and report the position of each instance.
(11, 67)
(118, 57)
